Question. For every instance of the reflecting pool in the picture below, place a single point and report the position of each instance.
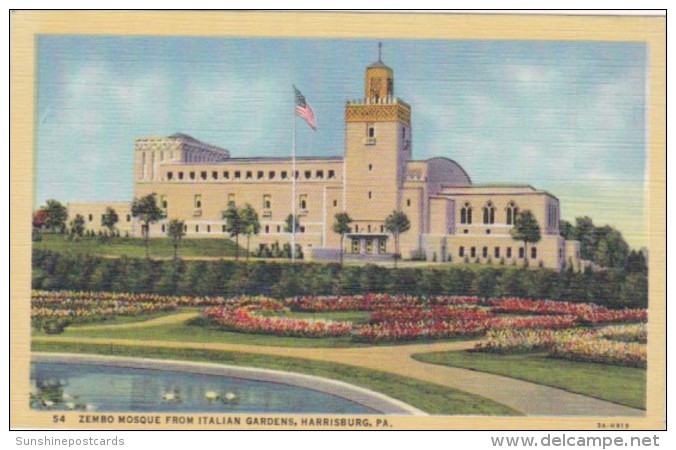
(86, 387)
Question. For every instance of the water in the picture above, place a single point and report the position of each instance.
(111, 389)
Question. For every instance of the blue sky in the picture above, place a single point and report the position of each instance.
(568, 117)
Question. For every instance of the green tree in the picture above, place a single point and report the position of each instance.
(636, 263)
(77, 227)
(397, 223)
(566, 230)
(585, 232)
(55, 216)
(176, 231)
(251, 225)
(146, 210)
(341, 226)
(289, 224)
(526, 230)
(612, 250)
(110, 219)
(233, 225)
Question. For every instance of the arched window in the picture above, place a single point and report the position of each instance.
(489, 213)
(512, 212)
(466, 214)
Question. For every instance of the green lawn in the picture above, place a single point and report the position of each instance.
(431, 398)
(618, 384)
(196, 331)
(134, 247)
(359, 317)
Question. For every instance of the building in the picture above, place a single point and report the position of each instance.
(452, 220)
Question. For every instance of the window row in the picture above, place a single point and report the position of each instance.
(266, 229)
(488, 213)
(496, 253)
(368, 246)
(266, 203)
(205, 175)
(90, 217)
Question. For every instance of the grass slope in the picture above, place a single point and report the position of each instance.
(427, 397)
(134, 247)
(623, 385)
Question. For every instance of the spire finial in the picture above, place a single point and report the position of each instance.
(380, 51)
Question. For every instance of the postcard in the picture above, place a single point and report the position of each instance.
(257, 220)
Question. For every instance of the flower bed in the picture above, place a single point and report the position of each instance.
(433, 313)
(585, 312)
(243, 319)
(548, 322)
(603, 351)
(423, 329)
(576, 344)
(627, 333)
(79, 307)
(372, 302)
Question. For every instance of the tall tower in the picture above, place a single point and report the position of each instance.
(377, 146)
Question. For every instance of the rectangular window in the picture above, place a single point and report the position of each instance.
(521, 252)
(533, 252)
(303, 201)
(279, 228)
(238, 174)
(163, 201)
(231, 199)
(271, 174)
(214, 175)
(267, 229)
(370, 195)
(355, 246)
(332, 174)
(369, 246)
(197, 228)
(224, 228)
(208, 228)
(192, 175)
(370, 131)
(128, 217)
(267, 202)
(260, 175)
(203, 175)
(408, 202)
(164, 229)
(226, 175)
(472, 252)
(308, 174)
(382, 228)
(497, 252)
(198, 201)
(382, 245)
(335, 203)
(320, 174)
(461, 251)
(484, 252)
(170, 175)
(91, 217)
(283, 174)
(180, 175)
(509, 252)
(356, 228)
(296, 174)
(301, 229)
(249, 175)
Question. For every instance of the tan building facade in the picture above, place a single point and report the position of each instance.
(451, 219)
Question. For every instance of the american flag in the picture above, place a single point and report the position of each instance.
(304, 110)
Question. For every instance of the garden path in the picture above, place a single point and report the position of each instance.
(164, 320)
(528, 398)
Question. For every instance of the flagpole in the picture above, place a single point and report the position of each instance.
(293, 189)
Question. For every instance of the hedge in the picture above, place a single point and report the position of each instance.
(55, 271)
